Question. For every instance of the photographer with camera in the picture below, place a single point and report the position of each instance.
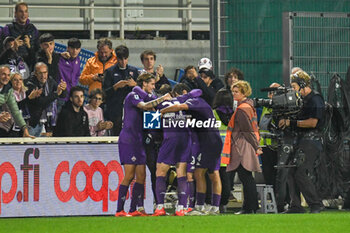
(308, 145)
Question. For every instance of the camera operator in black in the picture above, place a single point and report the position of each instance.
(309, 146)
(269, 159)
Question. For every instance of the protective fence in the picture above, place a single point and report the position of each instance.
(319, 43)
(250, 37)
(266, 38)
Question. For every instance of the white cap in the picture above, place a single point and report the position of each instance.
(205, 63)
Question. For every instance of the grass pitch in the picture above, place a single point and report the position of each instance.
(334, 222)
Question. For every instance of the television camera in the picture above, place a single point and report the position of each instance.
(284, 104)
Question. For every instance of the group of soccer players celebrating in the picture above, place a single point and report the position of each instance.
(193, 151)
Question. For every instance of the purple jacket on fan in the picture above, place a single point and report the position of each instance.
(69, 71)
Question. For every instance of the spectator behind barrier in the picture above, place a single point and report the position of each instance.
(11, 57)
(206, 81)
(47, 55)
(233, 76)
(25, 34)
(97, 125)
(19, 92)
(73, 121)
(148, 58)
(190, 77)
(93, 73)
(7, 98)
(212, 84)
(165, 88)
(43, 110)
(118, 82)
(69, 68)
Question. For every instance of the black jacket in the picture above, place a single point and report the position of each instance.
(162, 80)
(71, 123)
(208, 92)
(38, 105)
(53, 67)
(115, 99)
(15, 30)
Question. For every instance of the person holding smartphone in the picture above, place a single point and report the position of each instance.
(104, 58)
(117, 84)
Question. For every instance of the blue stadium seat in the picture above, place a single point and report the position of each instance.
(172, 83)
(178, 74)
(84, 54)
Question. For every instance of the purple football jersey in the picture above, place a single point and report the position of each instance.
(209, 137)
(200, 110)
(176, 145)
(171, 121)
(132, 120)
(195, 152)
(195, 93)
(174, 123)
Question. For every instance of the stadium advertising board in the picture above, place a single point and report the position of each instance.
(62, 179)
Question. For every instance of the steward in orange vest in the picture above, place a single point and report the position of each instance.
(251, 113)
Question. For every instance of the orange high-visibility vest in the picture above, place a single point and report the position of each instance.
(250, 111)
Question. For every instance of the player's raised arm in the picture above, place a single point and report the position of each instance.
(152, 104)
(174, 108)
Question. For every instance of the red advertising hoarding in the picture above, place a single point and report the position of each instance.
(62, 179)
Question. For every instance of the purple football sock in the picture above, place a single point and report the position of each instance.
(200, 198)
(182, 190)
(190, 193)
(160, 189)
(123, 190)
(141, 200)
(136, 195)
(215, 199)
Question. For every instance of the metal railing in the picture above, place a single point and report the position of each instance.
(92, 8)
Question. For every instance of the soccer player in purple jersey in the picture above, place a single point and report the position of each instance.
(175, 150)
(191, 166)
(195, 149)
(131, 150)
(210, 147)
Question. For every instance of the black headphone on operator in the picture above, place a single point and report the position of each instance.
(300, 81)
